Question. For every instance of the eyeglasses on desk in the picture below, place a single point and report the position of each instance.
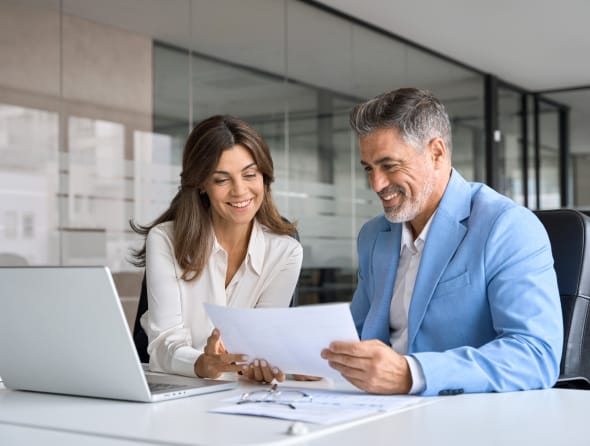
(275, 395)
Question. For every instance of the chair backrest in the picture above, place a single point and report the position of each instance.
(569, 232)
(139, 335)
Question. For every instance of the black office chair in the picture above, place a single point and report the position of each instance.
(139, 335)
(569, 232)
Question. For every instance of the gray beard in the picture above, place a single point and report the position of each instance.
(410, 207)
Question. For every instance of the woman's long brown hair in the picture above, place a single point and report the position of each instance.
(190, 209)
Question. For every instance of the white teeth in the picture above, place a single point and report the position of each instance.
(389, 197)
(241, 204)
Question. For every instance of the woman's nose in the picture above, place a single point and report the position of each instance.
(238, 187)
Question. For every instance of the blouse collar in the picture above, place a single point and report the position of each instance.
(256, 247)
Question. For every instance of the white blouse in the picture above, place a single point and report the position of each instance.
(176, 322)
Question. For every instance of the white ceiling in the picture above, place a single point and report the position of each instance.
(534, 44)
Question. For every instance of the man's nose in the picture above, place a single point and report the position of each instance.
(379, 181)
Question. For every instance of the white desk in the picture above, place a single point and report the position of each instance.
(537, 418)
(11, 435)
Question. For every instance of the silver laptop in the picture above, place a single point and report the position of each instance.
(63, 330)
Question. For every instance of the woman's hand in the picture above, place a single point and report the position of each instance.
(216, 360)
(261, 371)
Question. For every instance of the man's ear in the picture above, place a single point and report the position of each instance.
(438, 151)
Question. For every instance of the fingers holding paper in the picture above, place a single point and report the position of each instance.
(261, 371)
(215, 359)
(371, 366)
(215, 344)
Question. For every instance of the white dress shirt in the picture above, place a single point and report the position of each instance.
(405, 279)
(176, 322)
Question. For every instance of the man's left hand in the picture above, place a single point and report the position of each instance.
(371, 366)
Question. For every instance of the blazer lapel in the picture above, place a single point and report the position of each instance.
(385, 260)
(445, 235)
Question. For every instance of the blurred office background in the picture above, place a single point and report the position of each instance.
(97, 98)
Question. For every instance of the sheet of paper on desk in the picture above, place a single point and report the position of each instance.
(327, 407)
(288, 338)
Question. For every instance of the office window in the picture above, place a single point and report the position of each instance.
(549, 190)
(578, 101)
(29, 182)
(28, 226)
(84, 146)
(510, 160)
(10, 224)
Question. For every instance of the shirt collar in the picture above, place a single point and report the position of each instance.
(408, 235)
(256, 248)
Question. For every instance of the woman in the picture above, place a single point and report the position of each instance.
(221, 241)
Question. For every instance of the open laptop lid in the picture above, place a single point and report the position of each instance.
(63, 330)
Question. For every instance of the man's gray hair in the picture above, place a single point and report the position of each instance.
(417, 114)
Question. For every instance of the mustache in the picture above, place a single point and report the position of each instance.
(392, 190)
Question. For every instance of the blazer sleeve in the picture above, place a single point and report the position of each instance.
(360, 305)
(524, 304)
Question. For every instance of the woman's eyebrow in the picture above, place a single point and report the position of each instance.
(223, 172)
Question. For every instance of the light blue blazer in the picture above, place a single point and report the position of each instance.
(485, 314)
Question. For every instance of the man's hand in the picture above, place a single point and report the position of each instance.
(371, 366)
(298, 377)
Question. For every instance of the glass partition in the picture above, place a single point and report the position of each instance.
(29, 132)
(578, 102)
(531, 157)
(97, 98)
(510, 159)
(548, 152)
(319, 152)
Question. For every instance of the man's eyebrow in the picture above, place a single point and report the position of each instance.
(223, 172)
(385, 159)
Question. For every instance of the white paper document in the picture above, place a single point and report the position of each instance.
(288, 338)
(327, 407)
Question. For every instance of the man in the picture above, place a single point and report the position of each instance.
(456, 291)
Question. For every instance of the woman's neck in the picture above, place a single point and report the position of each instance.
(232, 237)
(234, 240)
